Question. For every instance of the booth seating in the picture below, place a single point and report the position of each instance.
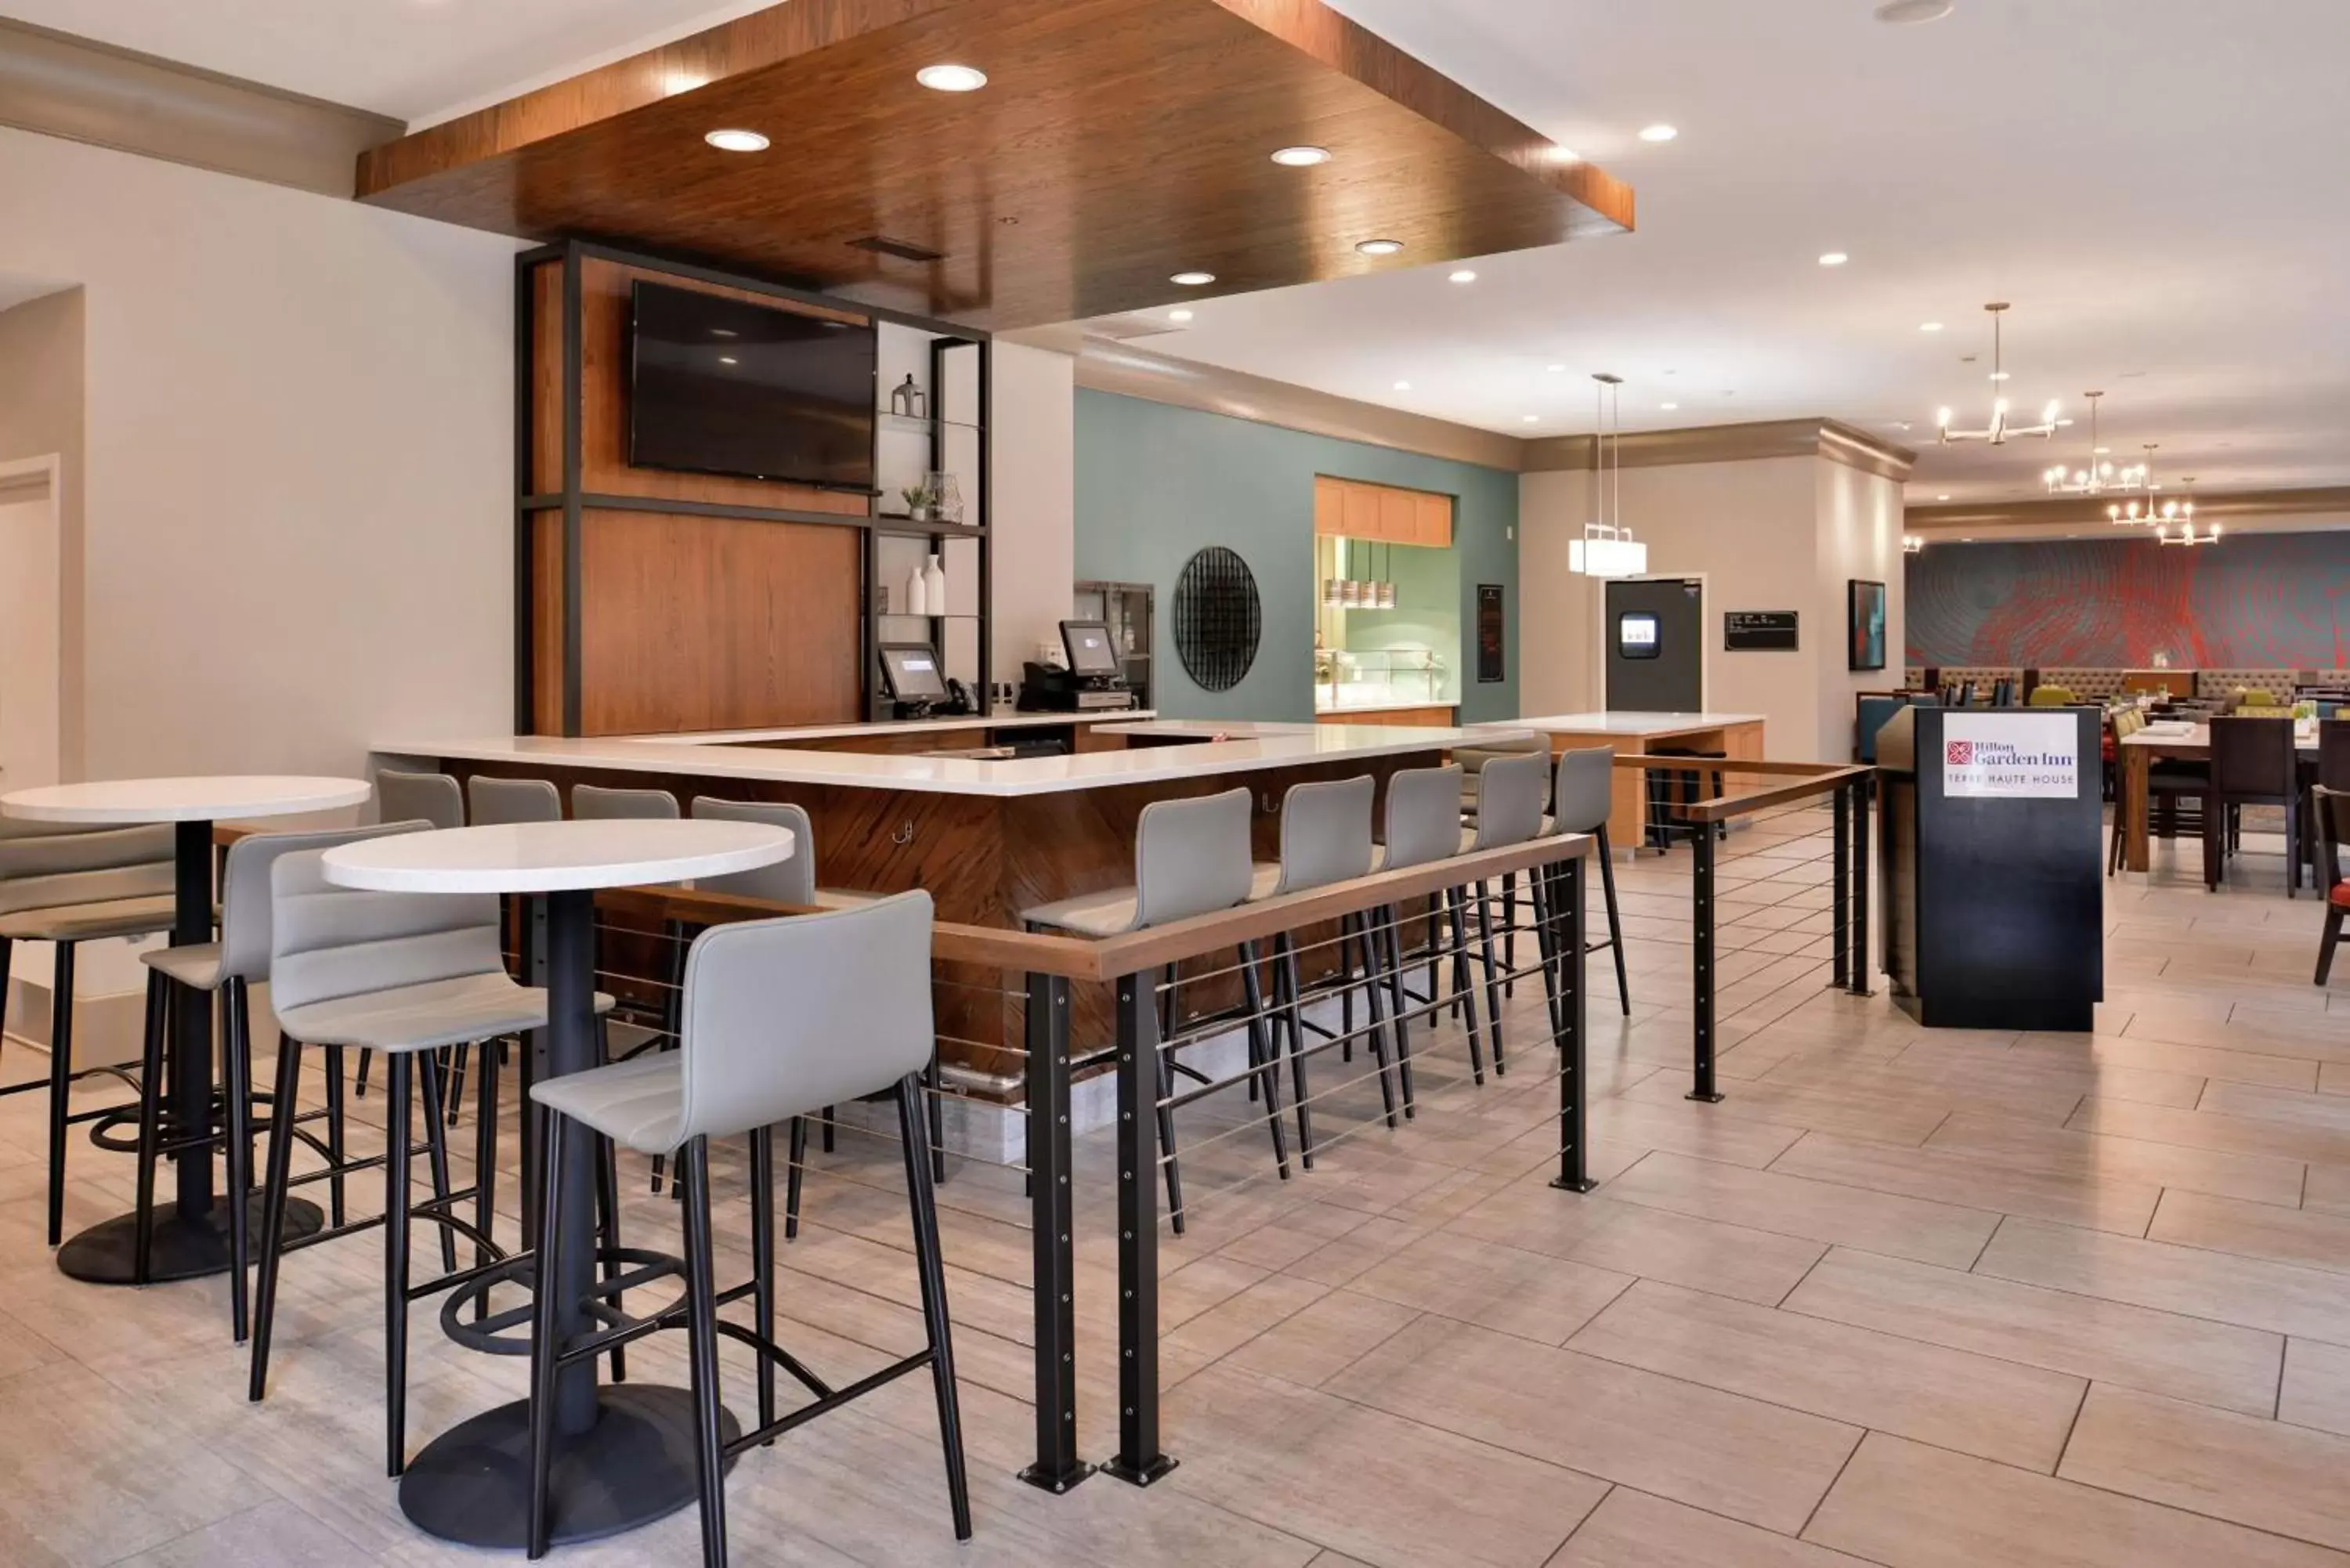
(2053, 697)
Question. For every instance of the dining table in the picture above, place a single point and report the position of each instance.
(625, 1451)
(192, 1238)
(2178, 740)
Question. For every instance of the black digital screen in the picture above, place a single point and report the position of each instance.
(1635, 635)
(911, 671)
(1089, 649)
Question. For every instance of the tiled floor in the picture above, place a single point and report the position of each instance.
(1902, 1298)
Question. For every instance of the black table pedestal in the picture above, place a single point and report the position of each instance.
(184, 1249)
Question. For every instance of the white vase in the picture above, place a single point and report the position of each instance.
(917, 602)
(934, 588)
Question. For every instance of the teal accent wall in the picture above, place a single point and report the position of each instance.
(1156, 484)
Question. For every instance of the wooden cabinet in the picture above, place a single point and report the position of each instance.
(1382, 513)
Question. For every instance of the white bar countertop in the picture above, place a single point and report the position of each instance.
(1001, 719)
(1623, 723)
(1250, 747)
(1396, 706)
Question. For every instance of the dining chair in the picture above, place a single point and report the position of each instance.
(2329, 811)
(2252, 763)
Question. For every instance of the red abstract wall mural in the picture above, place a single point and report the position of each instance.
(2249, 601)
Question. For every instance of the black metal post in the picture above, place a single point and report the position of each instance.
(1702, 947)
(1138, 1459)
(1860, 886)
(1574, 1142)
(1052, 1279)
(1841, 919)
(192, 1046)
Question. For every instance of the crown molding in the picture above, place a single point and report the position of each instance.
(2077, 511)
(1106, 365)
(1820, 437)
(60, 85)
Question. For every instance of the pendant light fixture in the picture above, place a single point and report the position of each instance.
(1607, 548)
(1999, 431)
(2146, 509)
(2185, 518)
(2101, 476)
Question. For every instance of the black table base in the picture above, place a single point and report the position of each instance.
(182, 1249)
(472, 1484)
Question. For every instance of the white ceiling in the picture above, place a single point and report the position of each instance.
(2158, 185)
(417, 60)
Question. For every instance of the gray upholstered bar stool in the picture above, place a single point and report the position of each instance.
(1473, 761)
(433, 798)
(1326, 837)
(781, 1017)
(1581, 801)
(68, 885)
(594, 803)
(191, 977)
(1510, 792)
(403, 974)
(1424, 826)
(793, 881)
(1191, 857)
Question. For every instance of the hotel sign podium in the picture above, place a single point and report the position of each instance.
(1994, 906)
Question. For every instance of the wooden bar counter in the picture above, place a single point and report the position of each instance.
(1738, 736)
(986, 837)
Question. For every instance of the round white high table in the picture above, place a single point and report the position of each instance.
(192, 1239)
(627, 1453)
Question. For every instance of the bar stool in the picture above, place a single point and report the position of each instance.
(781, 1017)
(403, 974)
(594, 803)
(1191, 857)
(431, 798)
(1326, 837)
(191, 976)
(1424, 826)
(793, 881)
(1580, 802)
(66, 886)
(1509, 812)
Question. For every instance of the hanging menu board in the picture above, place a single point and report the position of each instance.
(1758, 632)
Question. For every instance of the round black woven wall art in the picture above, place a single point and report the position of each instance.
(1217, 618)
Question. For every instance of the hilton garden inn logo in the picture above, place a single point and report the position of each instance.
(2011, 755)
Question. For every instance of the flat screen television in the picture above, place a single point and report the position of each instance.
(719, 385)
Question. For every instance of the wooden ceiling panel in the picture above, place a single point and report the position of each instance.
(1117, 143)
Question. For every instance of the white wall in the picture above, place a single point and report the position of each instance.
(1748, 527)
(296, 535)
(1860, 538)
(1031, 424)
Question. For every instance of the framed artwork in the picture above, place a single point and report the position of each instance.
(1864, 638)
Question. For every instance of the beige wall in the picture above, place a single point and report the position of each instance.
(1032, 421)
(1768, 533)
(41, 415)
(296, 526)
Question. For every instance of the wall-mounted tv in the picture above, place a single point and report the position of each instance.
(719, 385)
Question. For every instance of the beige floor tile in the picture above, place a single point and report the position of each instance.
(1234, 1321)
(1999, 1409)
(1815, 1211)
(2081, 1155)
(275, 1535)
(2250, 1292)
(1632, 1239)
(1907, 1505)
(1900, 1117)
(2269, 1475)
(2104, 1203)
(2313, 1237)
(1387, 1490)
(2302, 1107)
(1633, 1530)
(2282, 1070)
(2112, 1342)
(2316, 1385)
(1324, 1338)
(1683, 1127)
(2214, 1131)
(1719, 1451)
(1499, 1287)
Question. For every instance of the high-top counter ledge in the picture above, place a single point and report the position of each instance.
(986, 837)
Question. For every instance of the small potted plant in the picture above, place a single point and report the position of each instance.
(920, 499)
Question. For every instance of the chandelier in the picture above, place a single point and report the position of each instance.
(2100, 475)
(2186, 533)
(1999, 431)
(2145, 509)
(1913, 544)
(1607, 548)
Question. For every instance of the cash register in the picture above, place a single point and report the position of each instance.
(917, 688)
(1093, 682)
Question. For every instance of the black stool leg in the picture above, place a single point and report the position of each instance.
(272, 1212)
(1285, 992)
(792, 1177)
(831, 1121)
(485, 1162)
(763, 1262)
(336, 1125)
(237, 1080)
(1387, 931)
(436, 1144)
(1493, 990)
(457, 1056)
(929, 1263)
(1167, 1138)
(701, 1340)
(934, 1091)
(61, 1012)
(1375, 1006)
(546, 1339)
(1614, 925)
(1262, 1047)
(1463, 991)
(1509, 941)
(367, 1061)
(608, 1233)
(399, 1088)
(150, 1121)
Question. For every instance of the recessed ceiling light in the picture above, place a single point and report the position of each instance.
(1930, 326)
(1178, 316)
(1302, 157)
(724, 332)
(1669, 407)
(1193, 279)
(1379, 247)
(2100, 452)
(2000, 375)
(1403, 386)
(1534, 419)
(1834, 258)
(1564, 155)
(1658, 133)
(1899, 11)
(726, 359)
(951, 78)
(1555, 370)
(1944, 496)
(737, 141)
(1966, 541)
(1465, 276)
